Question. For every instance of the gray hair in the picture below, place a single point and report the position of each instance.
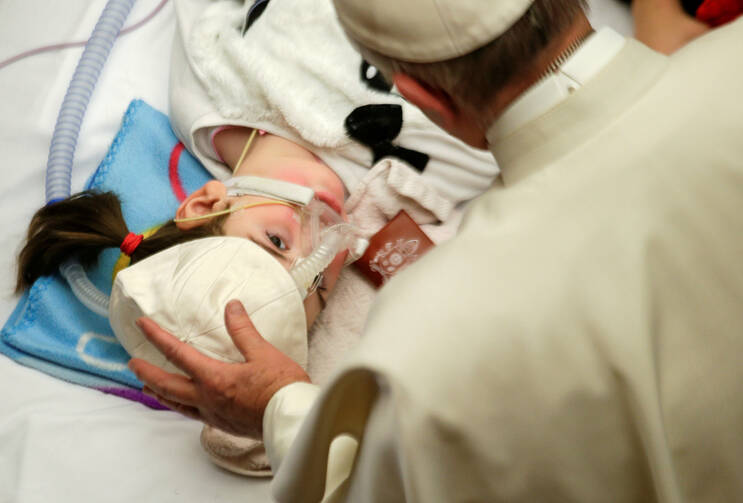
(477, 76)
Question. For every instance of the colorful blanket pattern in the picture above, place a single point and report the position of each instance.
(50, 330)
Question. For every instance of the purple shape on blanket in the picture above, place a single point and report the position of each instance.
(136, 396)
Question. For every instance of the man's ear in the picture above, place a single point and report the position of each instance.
(439, 106)
(436, 104)
(208, 199)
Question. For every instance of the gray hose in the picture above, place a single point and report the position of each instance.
(83, 288)
(70, 118)
(67, 129)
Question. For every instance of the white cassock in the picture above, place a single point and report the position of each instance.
(581, 338)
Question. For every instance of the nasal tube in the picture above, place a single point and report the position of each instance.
(334, 240)
(67, 129)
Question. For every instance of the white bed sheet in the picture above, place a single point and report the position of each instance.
(61, 442)
(58, 441)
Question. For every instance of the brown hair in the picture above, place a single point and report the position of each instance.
(477, 76)
(82, 226)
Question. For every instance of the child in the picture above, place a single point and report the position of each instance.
(279, 104)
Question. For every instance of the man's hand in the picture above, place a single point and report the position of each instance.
(229, 396)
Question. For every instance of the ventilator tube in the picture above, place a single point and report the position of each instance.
(67, 129)
(334, 240)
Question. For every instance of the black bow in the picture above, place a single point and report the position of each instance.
(376, 126)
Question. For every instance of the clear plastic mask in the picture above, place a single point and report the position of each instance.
(302, 232)
(293, 238)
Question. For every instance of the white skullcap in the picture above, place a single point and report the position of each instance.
(427, 30)
(185, 289)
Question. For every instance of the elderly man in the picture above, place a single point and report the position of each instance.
(579, 339)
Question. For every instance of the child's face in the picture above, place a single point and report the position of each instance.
(276, 228)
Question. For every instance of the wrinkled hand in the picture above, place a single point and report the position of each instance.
(229, 396)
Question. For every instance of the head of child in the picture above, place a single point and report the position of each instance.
(274, 227)
(278, 228)
(83, 225)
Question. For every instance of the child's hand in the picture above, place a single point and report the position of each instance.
(229, 396)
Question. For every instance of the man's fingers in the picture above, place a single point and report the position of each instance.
(183, 356)
(172, 387)
(186, 410)
(241, 328)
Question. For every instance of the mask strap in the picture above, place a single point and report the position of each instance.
(245, 149)
(231, 210)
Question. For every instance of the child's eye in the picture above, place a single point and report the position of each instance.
(277, 241)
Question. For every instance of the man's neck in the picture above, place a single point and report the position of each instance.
(576, 67)
(580, 29)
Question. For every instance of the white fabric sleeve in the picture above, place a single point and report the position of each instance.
(285, 414)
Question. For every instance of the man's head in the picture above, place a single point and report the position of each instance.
(460, 61)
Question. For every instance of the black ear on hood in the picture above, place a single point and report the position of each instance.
(376, 126)
(254, 13)
(373, 78)
(372, 124)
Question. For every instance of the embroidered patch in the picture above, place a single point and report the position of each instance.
(400, 243)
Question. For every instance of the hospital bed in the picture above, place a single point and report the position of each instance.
(59, 441)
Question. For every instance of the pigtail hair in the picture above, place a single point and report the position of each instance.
(85, 224)
(80, 227)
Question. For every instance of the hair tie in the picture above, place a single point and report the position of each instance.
(130, 243)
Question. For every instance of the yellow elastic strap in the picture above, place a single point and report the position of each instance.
(231, 210)
(245, 149)
(124, 260)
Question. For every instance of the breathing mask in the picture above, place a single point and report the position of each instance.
(185, 288)
(301, 229)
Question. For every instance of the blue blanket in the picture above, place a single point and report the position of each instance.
(50, 330)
